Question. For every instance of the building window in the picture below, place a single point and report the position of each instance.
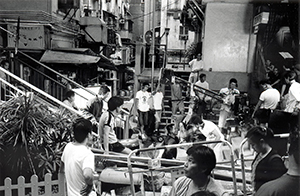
(183, 33)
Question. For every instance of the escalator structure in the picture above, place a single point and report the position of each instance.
(196, 8)
(192, 16)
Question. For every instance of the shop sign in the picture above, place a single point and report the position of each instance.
(31, 37)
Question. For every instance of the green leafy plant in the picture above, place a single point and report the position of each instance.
(32, 137)
(191, 51)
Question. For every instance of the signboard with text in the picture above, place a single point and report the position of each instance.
(31, 37)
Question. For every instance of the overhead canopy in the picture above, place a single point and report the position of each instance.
(51, 56)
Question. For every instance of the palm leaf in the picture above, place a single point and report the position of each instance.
(25, 129)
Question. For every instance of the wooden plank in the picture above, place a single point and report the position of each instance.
(7, 187)
(34, 185)
(48, 184)
(61, 185)
(21, 185)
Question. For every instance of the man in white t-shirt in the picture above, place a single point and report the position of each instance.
(293, 98)
(228, 95)
(268, 101)
(78, 160)
(142, 101)
(196, 66)
(203, 130)
(158, 106)
(201, 99)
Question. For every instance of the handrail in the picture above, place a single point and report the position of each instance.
(11, 86)
(197, 6)
(243, 165)
(40, 92)
(43, 74)
(284, 135)
(69, 80)
(55, 81)
(57, 73)
(202, 90)
(130, 169)
(194, 10)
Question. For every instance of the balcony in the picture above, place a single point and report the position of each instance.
(125, 34)
(95, 29)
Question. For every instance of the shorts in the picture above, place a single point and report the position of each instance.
(263, 115)
(177, 105)
(116, 147)
(193, 77)
(158, 115)
(143, 118)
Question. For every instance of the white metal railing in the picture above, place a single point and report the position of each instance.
(32, 87)
(130, 168)
(78, 86)
(242, 157)
(35, 89)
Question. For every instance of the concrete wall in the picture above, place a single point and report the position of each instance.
(137, 11)
(167, 20)
(227, 41)
(41, 5)
(226, 38)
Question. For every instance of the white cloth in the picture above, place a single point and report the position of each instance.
(112, 137)
(212, 133)
(157, 100)
(196, 65)
(70, 104)
(293, 97)
(76, 158)
(3, 76)
(203, 85)
(183, 186)
(269, 98)
(143, 100)
(223, 117)
(228, 98)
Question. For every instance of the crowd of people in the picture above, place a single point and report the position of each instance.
(267, 166)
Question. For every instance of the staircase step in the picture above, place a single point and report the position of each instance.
(166, 118)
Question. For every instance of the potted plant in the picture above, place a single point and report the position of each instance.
(32, 137)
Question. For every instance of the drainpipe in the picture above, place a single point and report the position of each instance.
(153, 45)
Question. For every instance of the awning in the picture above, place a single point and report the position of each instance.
(77, 56)
(51, 56)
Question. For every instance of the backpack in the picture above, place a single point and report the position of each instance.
(96, 108)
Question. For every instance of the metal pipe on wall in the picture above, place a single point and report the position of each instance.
(153, 45)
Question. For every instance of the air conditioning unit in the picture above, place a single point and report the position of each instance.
(183, 37)
(125, 55)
